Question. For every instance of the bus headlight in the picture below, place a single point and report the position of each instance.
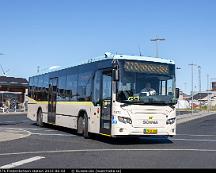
(125, 120)
(170, 121)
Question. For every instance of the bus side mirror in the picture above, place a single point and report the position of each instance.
(115, 74)
(177, 93)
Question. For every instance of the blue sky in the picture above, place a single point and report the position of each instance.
(67, 32)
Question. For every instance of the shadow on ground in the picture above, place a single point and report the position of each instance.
(119, 140)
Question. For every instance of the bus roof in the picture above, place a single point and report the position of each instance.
(143, 58)
(109, 57)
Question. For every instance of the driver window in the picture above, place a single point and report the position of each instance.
(169, 87)
(162, 87)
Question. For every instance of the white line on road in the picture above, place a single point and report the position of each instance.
(7, 121)
(22, 162)
(109, 149)
(51, 134)
(50, 130)
(17, 128)
(194, 135)
(33, 128)
(182, 139)
(195, 140)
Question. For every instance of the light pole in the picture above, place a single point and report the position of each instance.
(200, 87)
(199, 78)
(192, 65)
(178, 68)
(156, 40)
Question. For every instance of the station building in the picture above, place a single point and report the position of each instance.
(12, 93)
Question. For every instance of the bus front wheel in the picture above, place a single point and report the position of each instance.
(40, 118)
(82, 126)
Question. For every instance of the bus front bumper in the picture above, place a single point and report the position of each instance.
(169, 130)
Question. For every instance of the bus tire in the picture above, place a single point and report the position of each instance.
(80, 125)
(85, 129)
(40, 118)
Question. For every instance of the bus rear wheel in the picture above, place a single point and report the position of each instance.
(40, 118)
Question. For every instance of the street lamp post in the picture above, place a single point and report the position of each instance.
(178, 68)
(199, 78)
(192, 65)
(156, 40)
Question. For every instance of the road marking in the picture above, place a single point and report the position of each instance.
(182, 139)
(195, 140)
(50, 130)
(194, 135)
(33, 128)
(8, 121)
(104, 150)
(51, 134)
(21, 162)
(17, 128)
(18, 134)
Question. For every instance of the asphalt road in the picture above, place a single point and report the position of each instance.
(194, 146)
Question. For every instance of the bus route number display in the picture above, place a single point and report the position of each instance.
(146, 67)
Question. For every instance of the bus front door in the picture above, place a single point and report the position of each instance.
(106, 97)
(52, 100)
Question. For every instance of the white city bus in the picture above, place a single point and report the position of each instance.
(106, 97)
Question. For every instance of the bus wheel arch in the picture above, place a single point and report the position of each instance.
(82, 123)
(40, 117)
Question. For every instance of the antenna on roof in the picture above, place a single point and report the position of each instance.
(107, 54)
(140, 54)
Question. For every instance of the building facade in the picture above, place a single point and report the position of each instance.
(12, 93)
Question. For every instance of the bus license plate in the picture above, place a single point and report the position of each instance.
(150, 131)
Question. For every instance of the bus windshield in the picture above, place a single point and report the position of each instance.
(146, 83)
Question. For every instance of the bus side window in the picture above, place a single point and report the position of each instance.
(84, 86)
(71, 86)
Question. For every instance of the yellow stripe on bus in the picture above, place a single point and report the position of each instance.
(105, 134)
(63, 102)
(77, 103)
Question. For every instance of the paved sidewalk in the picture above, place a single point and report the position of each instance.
(188, 117)
(12, 113)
